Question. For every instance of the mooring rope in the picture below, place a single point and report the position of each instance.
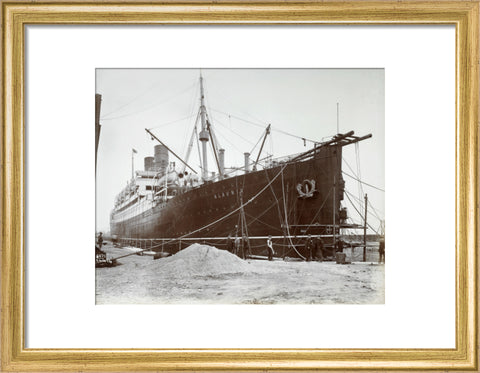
(286, 222)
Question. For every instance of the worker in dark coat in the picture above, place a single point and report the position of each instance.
(381, 251)
(99, 241)
(319, 245)
(339, 245)
(309, 248)
(245, 247)
(270, 248)
(99, 253)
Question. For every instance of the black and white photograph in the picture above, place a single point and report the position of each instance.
(240, 186)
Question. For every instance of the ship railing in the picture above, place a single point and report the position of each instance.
(264, 163)
(274, 162)
(159, 192)
(155, 243)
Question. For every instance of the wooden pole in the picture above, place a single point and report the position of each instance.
(365, 231)
(214, 150)
(267, 131)
(98, 127)
(338, 126)
(333, 223)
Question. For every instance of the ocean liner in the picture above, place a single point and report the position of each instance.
(168, 205)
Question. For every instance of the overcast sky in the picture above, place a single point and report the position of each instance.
(240, 104)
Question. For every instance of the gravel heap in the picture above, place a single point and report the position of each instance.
(202, 260)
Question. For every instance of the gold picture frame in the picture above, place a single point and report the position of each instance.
(463, 14)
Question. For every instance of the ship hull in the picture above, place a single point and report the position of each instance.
(296, 198)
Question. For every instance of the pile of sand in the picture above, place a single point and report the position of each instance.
(202, 260)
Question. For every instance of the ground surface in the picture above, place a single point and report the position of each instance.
(202, 274)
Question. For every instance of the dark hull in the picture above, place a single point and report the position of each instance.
(265, 215)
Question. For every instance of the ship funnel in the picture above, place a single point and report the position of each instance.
(148, 163)
(247, 163)
(221, 161)
(161, 158)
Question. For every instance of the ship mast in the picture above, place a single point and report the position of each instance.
(204, 134)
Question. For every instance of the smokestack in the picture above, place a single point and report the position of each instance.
(161, 158)
(221, 161)
(247, 163)
(148, 163)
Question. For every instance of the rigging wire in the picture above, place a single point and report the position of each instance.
(356, 177)
(363, 182)
(359, 199)
(362, 217)
(264, 125)
(192, 138)
(225, 138)
(224, 97)
(348, 165)
(280, 219)
(262, 222)
(374, 210)
(172, 122)
(151, 106)
(255, 218)
(223, 125)
(132, 100)
(211, 120)
(374, 215)
(258, 141)
(286, 221)
(192, 112)
(359, 175)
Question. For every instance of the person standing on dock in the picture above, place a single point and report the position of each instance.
(318, 247)
(309, 247)
(270, 248)
(381, 251)
(237, 246)
(230, 244)
(244, 247)
(339, 245)
(100, 241)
